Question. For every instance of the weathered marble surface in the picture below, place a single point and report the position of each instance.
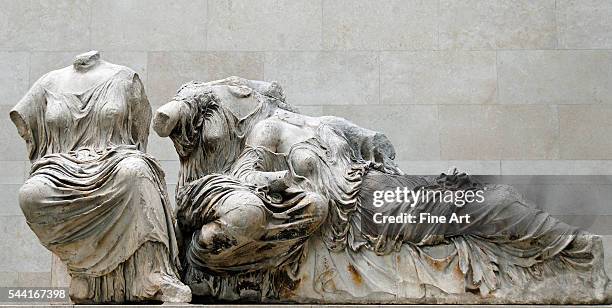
(93, 196)
(267, 203)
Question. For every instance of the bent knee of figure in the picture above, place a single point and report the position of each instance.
(33, 194)
(243, 214)
(132, 168)
(303, 162)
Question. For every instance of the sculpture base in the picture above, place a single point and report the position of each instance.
(334, 278)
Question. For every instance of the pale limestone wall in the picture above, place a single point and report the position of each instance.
(490, 86)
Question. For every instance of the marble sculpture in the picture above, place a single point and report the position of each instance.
(94, 197)
(274, 205)
(271, 205)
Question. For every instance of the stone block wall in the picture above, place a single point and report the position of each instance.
(489, 86)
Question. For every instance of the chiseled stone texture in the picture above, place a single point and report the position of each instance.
(325, 78)
(438, 77)
(584, 24)
(13, 76)
(44, 25)
(555, 77)
(169, 70)
(411, 129)
(26, 254)
(264, 25)
(148, 25)
(497, 24)
(499, 132)
(379, 25)
(585, 131)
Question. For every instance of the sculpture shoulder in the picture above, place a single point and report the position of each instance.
(47, 79)
(64, 77)
(126, 72)
(266, 133)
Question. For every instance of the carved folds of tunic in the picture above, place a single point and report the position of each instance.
(94, 197)
(270, 204)
(257, 179)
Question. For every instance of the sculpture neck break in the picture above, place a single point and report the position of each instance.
(86, 61)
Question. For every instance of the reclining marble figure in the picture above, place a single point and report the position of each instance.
(273, 206)
(94, 197)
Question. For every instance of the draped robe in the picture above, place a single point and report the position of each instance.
(510, 252)
(514, 254)
(94, 197)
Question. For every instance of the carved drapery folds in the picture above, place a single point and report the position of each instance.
(257, 179)
(94, 197)
(271, 205)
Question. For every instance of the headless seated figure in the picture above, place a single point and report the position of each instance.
(94, 197)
